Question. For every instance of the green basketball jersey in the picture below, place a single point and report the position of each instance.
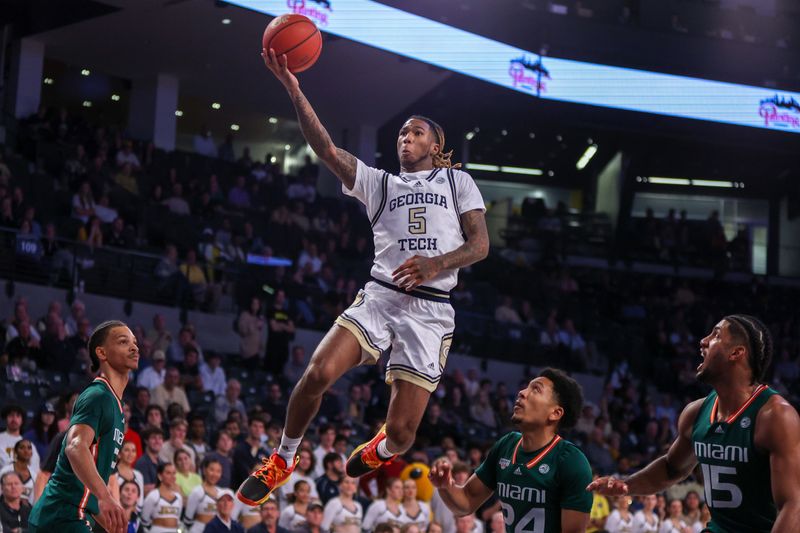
(736, 475)
(65, 498)
(534, 487)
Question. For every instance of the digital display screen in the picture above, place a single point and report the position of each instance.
(410, 35)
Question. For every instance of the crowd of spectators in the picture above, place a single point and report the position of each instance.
(198, 418)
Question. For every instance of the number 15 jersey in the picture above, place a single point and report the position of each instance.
(736, 475)
(415, 213)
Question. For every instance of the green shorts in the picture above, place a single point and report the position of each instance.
(66, 526)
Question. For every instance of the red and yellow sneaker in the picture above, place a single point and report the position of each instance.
(365, 459)
(259, 485)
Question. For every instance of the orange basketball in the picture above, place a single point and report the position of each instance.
(297, 37)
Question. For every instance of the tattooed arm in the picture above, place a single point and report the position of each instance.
(340, 162)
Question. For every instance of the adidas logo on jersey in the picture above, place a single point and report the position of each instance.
(518, 471)
(719, 430)
(418, 184)
(430, 365)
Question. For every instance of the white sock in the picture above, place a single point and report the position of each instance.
(383, 451)
(288, 448)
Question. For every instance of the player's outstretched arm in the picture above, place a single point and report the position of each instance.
(340, 162)
(78, 450)
(778, 431)
(462, 500)
(665, 471)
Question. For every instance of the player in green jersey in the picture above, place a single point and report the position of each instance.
(78, 491)
(539, 477)
(743, 435)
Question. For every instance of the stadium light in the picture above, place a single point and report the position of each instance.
(586, 157)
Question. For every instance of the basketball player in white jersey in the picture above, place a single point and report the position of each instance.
(428, 221)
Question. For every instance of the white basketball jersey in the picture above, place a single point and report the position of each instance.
(416, 213)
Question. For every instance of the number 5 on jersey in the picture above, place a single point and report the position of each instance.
(416, 222)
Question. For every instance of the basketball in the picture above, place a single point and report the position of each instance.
(297, 37)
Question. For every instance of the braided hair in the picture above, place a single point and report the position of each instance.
(756, 336)
(441, 159)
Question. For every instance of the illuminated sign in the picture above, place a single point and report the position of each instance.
(550, 78)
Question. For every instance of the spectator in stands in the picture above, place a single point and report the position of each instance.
(674, 522)
(153, 376)
(328, 483)
(249, 452)
(416, 511)
(189, 369)
(225, 151)
(171, 391)
(621, 519)
(57, 350)
(58, 260)
(25, 346)
(212, 373)
(327, 436)
(177, 441)
(598, 453)
(104, 211)
(269, 519)
(127, 156)
(294, 516)
(160, 336)
(222, 454)
(204, 143)
(29, 216)
(149, 462)
(201, 501)
(21, 465)
(506, 313)
(388, 509)
(646, 520)
(129, 496)
(304, 471)
(14, 510)
(293, 371)
(574, 343)
(197, 439)
(186, 476)
(205, 294)
(131, 434)
(275, 404)
(465, 524)
(7, 218)
(302, 189)
(155, 417)
(77, 313)
(229, 402)
(116, 234)
(139, 408)
(126, 179)
(176, 203)
(238, 197)
(691, 506)
(91, 233)
(162, 506)
(21, 321)
(170, 280)
(126, 471)
(281, 333)
(482, 411)
(83, 203)
(43, 429)
(433, 427)
(250, 327)
(343, 513)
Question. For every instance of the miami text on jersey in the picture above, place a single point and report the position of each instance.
(522, 494)
(720, 452)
